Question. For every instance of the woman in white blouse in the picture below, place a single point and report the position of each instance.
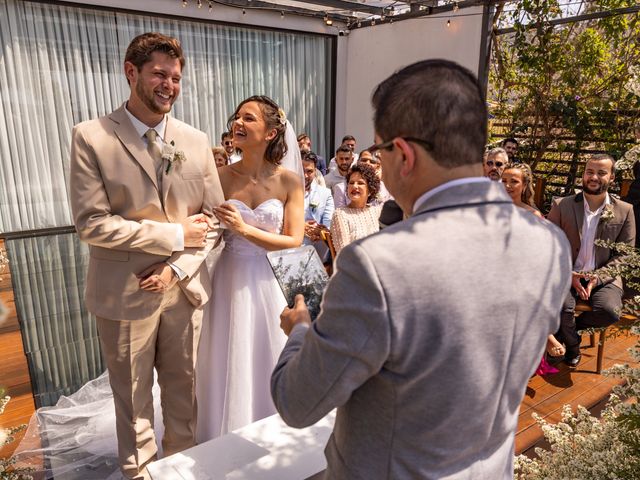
(358, 219)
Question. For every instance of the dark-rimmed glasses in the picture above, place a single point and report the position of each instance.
(491, 163)
(389, 145)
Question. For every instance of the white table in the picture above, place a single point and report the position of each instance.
(265, 450)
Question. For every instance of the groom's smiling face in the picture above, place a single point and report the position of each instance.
(157, 83)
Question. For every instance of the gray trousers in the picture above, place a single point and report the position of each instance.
(605, 301)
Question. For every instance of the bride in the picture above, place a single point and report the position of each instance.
(241, 338)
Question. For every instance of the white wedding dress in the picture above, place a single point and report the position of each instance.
(241, 338)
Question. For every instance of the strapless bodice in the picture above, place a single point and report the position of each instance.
(267, 216)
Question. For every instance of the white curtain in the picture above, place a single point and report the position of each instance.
(61, 65)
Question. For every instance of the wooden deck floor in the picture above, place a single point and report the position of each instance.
(583, 386)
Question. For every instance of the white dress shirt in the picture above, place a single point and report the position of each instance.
(586, 260)
(160, 129)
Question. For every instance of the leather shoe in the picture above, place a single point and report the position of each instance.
(572, 362)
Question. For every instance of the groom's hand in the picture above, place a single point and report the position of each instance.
(290, 317)
(195, 230)
(157, 278)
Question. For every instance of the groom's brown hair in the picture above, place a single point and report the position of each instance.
(140, 49)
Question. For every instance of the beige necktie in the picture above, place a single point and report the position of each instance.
(156, 154)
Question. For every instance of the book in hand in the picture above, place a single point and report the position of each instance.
(300, 270)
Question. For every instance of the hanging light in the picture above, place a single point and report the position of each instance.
(210, 5)
(199, 3)
(281, 13)
(448, 23)
(373, 22)
(456, 7)
(244, 12)
(327, 20)
(184, 3)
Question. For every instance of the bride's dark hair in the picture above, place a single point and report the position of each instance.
(274, 119)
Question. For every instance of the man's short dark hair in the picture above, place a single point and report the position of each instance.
(142, 47)
(509, 140)
(302, 136)
(309, 156)
(348, 137)
(224, 135)
(343, 149)
(439, 102)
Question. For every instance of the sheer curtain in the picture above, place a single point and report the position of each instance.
(60, 65)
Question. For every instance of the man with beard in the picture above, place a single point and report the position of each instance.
(344, 159)
(143, 186)
(494, 162)
(586, 217)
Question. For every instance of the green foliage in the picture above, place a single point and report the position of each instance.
(550, 83)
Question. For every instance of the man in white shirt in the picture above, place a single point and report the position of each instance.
(137, 177)
(344, 159)
(348, 141)
(318, 205)
(586, 217)
(227, 143)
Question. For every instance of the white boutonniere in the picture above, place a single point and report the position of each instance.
(607, 214)
(313, 206)
(171, 155)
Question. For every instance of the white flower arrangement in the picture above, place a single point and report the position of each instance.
(282, 116)
(171, 155)
(607, 214)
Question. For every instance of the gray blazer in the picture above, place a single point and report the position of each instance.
(428, 334)
(568, 214)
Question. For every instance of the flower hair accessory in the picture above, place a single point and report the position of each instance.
(171, 155)
(282, 116)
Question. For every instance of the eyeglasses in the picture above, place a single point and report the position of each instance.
(229, 143)
(389, 145)
(491, 163)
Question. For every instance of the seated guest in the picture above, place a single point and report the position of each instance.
(344, 159)
(304, 144)
(220, 156)
(357, 219)
(510, 146)
(518, 181)
(318, 205)
(227, 143)
(339, 190)
(494, 162)
(586, 217)
(348, 141)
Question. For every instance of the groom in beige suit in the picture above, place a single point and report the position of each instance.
(143, 186)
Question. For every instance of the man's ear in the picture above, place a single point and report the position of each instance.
(130, 71)
(408, 156)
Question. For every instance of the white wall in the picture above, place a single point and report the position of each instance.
(369, 55)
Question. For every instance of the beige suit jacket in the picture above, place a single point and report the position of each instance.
(568, 214)
(117, 209)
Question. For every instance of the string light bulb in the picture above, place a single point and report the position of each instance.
(359, 24)
(327, 20)
(210, 5)
(184, 3)
(448, 23)
(456, 7)
(373, 22)
(244, 12)
(199, 3)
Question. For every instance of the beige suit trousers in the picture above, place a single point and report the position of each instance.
(168, 341)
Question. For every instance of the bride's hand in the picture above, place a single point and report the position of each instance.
(230, 215)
